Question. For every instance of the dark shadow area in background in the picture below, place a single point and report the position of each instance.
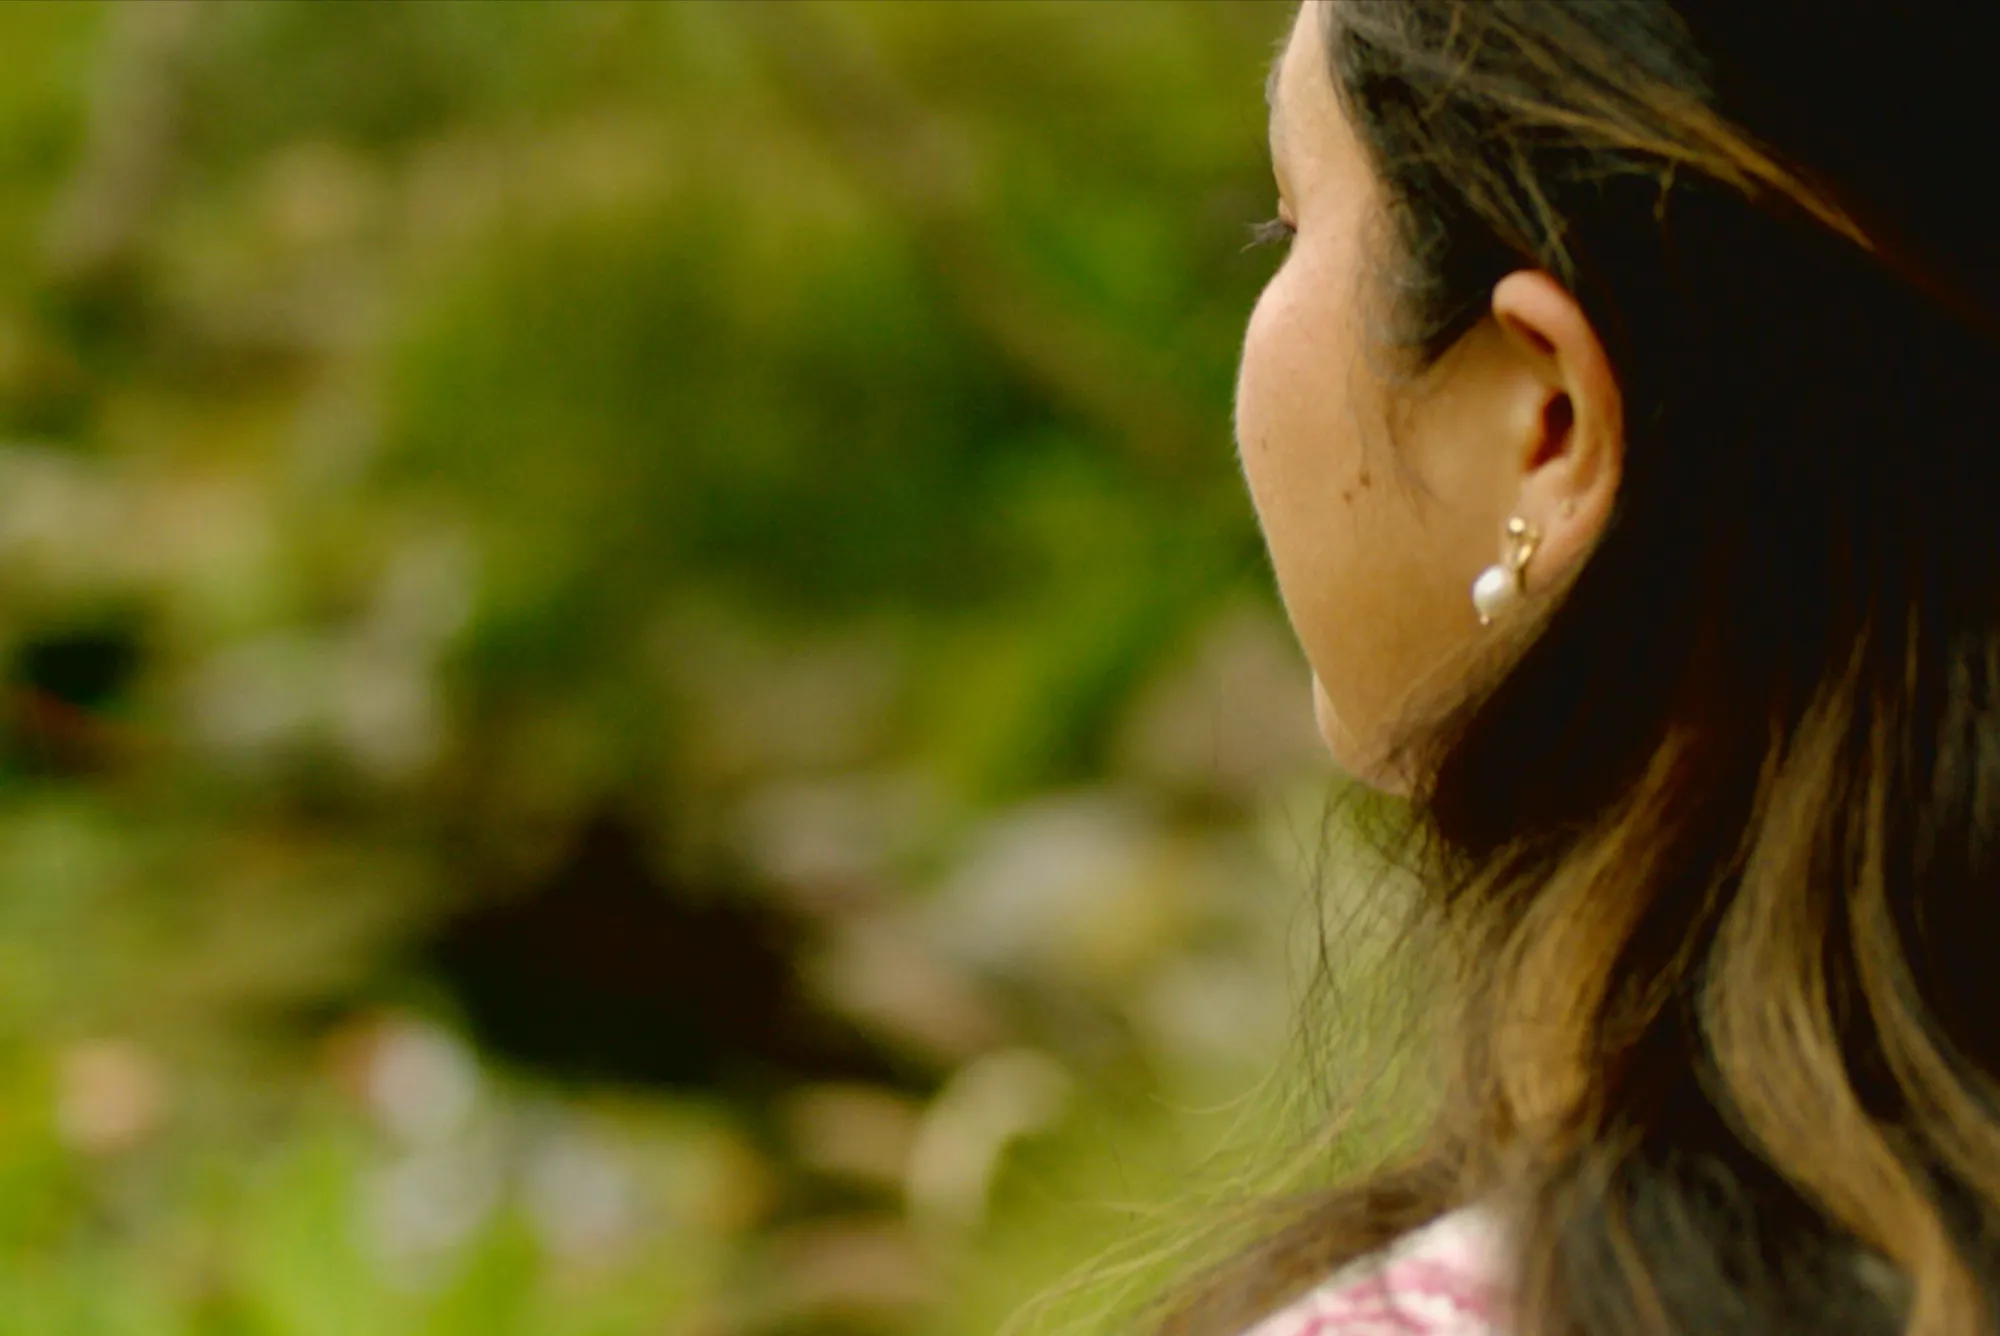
(603, 971)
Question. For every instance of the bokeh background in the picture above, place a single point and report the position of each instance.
(640, 693)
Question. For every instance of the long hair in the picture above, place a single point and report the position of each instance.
(1718, 851)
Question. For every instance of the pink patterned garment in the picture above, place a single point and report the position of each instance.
(1441, 1280)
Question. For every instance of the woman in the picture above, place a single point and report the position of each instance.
(1621, 421)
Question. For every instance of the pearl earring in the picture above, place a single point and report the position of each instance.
(1500, 587)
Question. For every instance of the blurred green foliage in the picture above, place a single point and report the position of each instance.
(641, 697)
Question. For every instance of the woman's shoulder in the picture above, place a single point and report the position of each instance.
(1446, 1279)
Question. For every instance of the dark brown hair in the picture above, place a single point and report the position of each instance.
(1718, 853)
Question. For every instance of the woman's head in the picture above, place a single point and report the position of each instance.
(1697, 287)
(1384, 480)
(1512, 219)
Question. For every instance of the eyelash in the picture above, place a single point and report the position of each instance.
(1271, 232)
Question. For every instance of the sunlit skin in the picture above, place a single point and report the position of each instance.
(1381, 499)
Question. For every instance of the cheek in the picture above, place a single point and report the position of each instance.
(1294, 429)
(1299, 434)
(1345, 543)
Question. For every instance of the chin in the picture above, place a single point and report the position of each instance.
(1366, 765)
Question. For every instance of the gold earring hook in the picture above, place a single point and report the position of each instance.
(1524, 538)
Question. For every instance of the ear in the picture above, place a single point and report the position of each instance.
(1573, 458)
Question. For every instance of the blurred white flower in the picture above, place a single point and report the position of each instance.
(426, 595)
(986, 1107)
(62, 522)
(1085, 888)
(579, 1196)
(823, 836)
(257, 698)
(384, 711)
(421, 1206)
(421, 1084)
